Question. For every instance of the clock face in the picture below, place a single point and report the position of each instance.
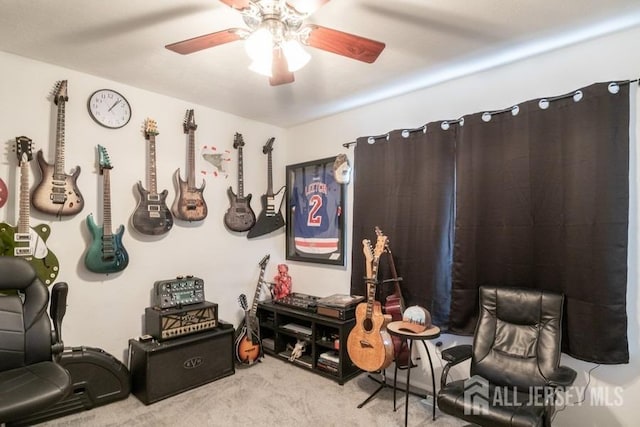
(109, 108)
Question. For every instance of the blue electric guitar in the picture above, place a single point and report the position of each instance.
(106, 253)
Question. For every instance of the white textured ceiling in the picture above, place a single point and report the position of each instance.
(427, 41)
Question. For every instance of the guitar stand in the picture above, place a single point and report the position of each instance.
(383, 385)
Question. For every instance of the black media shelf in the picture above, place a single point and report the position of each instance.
(322, 334)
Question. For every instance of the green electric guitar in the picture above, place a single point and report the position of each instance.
(105, 254)
(25, 241)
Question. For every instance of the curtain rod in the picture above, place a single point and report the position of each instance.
(486, 116)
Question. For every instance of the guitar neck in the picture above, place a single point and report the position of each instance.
(247, 322)
(191, 159)
(106, 185)
(254, 305)
(269, 175)
(151, 172)
(240, 174)
(25, 208)
(58, 166)
(371, 285)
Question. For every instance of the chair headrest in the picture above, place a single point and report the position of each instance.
(15, 273)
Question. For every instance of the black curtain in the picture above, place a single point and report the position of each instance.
(542, 202)
(405, 186)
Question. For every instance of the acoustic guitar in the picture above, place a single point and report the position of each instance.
(394, 306)
(248, 347)
(152, 216)
(189, 204)
(106, 253)
(270, 219)
(369, 344)
(239, 216)
(57, 192)
(25, 241)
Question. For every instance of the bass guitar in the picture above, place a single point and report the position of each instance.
(25, 241)
(57, 193)
(369, 344)
(239, 216)
(394, 306)
(270, 219)
(189, 205)
(152, 216)
(106, 253)
(248, 345)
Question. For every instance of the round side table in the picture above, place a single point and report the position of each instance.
(433, 332)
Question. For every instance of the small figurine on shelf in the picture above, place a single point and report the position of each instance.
(282, 282)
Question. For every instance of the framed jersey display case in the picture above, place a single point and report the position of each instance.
(315, 212)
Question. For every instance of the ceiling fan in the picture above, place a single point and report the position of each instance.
(275, 35)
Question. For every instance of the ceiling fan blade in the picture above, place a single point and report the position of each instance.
(208, 40)
(280, 69)
(237, 4)
(345, 44)
(306, 6)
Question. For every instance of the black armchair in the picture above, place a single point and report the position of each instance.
(515, 356)
(30, 378)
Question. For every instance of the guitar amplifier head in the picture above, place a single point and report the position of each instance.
(176, 322)
(177, 292)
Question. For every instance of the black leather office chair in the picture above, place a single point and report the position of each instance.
(516, 348)
(30, 378)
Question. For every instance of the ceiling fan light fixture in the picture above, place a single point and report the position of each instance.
(262, 66)
(296, 56)
(259, 44)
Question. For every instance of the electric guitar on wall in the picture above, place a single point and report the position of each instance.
(394, 306)
(270, 218)
(25, 241)
(369, 344)
(239, 216)
(57, 193)
(152, 216)
(248, 345)
(189, 205)
(105, 254)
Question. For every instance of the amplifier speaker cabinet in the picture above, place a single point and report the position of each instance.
(163, 369)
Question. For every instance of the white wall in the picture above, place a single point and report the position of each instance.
(106, 311)
(604, 59)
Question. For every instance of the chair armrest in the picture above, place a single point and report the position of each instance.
(57, 310)
(562, 377)
(453, 356)
(457, 354)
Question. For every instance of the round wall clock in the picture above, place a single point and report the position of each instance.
(109, 108)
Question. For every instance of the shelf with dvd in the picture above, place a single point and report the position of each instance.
(322, 340)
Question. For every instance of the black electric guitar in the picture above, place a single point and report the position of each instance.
(106, 253)
(248, 345)
(239, 216)
(25, 241)
(270, 219)
(57, 193)
(152, 216)
(189, 205)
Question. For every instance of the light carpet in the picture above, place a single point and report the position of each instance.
(270, 393)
